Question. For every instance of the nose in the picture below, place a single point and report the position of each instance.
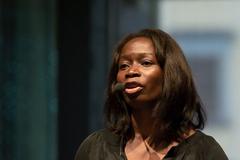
(133, 71)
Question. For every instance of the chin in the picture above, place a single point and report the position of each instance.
(138, 101)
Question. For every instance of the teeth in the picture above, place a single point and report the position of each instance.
(133, 90)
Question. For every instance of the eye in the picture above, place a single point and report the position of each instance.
(123, 66)
(146, 63)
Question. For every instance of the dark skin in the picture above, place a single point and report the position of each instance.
(139, 70)
(142, 75)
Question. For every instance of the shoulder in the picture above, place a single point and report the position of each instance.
(86, 146)
(96, 136)
(95, 144)
(202, 146)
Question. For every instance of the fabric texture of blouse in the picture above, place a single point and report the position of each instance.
(104, 145)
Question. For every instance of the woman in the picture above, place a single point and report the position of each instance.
(152, 110)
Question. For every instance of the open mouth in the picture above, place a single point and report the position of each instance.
(132, 88)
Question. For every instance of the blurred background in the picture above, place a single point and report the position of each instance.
(55, 55)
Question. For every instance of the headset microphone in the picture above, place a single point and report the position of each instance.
(118, 87)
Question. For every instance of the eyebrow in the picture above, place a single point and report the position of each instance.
(140, 54)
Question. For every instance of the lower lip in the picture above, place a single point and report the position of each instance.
(133, 90)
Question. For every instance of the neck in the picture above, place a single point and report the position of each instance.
(142, 122)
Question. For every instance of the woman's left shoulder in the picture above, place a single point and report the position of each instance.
(205, 146)
(204, 140)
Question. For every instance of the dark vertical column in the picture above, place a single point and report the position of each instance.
(74, 66)
(34, 49)
(27, 80)
(7, 81)
(100, 57)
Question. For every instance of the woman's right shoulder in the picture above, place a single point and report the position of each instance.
(88, 143)
(93, 137)
(96, 144)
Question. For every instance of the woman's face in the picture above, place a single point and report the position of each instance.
(139, 70)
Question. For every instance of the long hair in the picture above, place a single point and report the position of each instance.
(179, 107)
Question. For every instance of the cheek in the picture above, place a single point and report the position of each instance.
(120, 77)
(155, 82)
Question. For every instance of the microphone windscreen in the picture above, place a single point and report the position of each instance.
(118, 87)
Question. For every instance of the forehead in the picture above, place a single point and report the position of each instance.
(138, 45)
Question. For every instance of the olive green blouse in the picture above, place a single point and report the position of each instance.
(104, 145)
